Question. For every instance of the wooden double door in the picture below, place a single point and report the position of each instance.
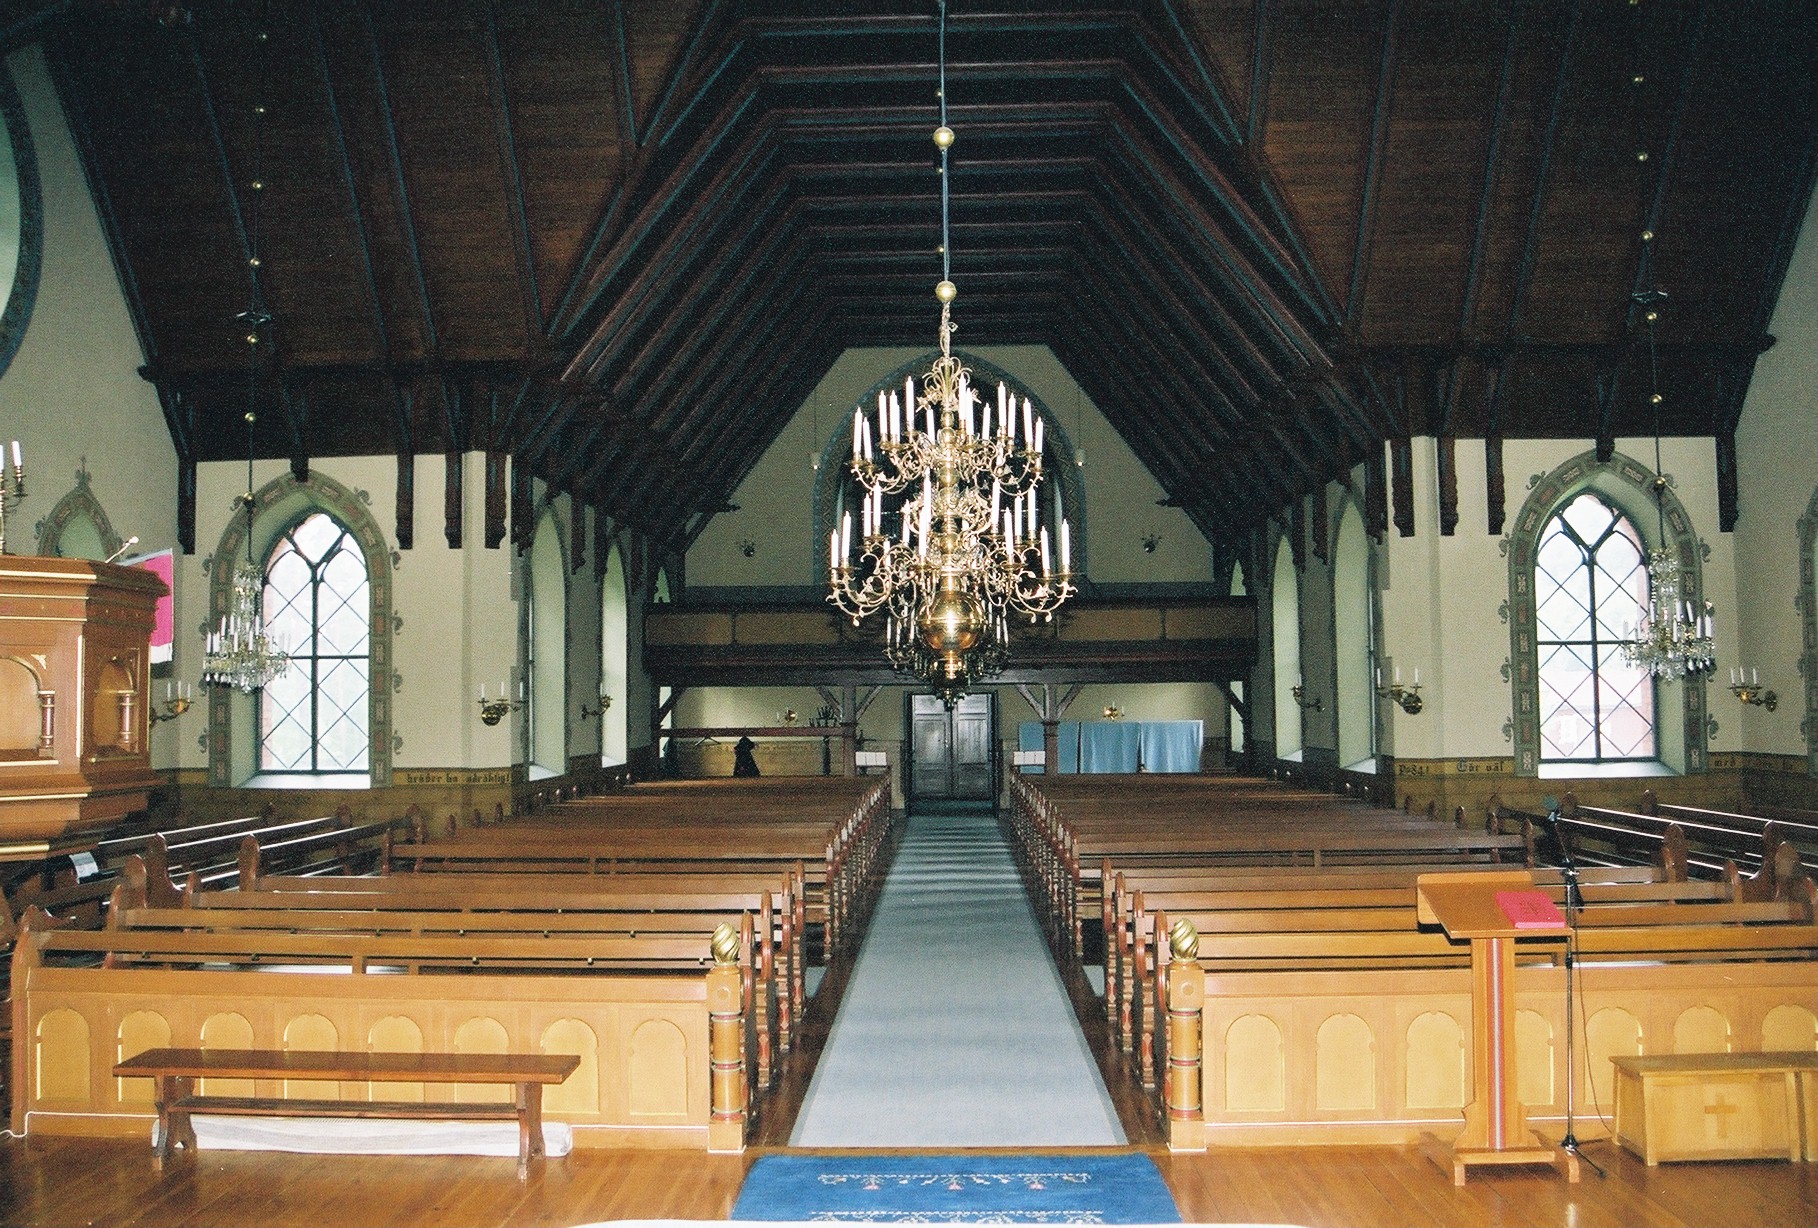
(952, 752)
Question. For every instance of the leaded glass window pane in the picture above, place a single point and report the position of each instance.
(1591, 584)
(318, 601)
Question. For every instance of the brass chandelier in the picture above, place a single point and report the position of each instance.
(959, 473)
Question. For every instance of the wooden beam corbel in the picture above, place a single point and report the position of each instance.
(1401, 460)
(1447, 458)
(1320, 543)
(1495, 486)
(1728, 482)
(497, 469)
(1376, 495)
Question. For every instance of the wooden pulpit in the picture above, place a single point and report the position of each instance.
(1465, 904)
(75, 676)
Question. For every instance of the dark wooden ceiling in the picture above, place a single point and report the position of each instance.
(622, 242)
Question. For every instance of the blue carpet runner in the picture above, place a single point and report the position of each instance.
(955, 1029)
(958, 1189)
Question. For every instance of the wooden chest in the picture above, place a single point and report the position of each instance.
(1714, 1106)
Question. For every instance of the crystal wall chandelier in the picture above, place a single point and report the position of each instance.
(240, 652)
(959, 474)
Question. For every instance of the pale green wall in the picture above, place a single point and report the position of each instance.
(1777, 462)
(776, 499)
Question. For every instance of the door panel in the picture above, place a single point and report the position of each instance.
(930, 748)
(952, 754)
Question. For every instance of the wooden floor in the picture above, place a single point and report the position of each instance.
(66, 1182)
(47, 1181)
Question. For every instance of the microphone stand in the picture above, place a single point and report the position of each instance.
(1574, 901)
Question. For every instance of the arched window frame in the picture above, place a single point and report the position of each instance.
(1354, 686)
(232, 717)
(1286, 674)
(545, 655)
(289, 527)
(1807, 602)
(1627, 485)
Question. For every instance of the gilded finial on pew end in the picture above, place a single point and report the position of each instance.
(725, 944)
(1183, 939)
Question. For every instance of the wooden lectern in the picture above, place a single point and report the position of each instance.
(1496, 1128)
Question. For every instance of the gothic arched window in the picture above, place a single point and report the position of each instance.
(318, 604)
(1590, 588)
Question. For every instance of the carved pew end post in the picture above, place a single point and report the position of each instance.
(1186, 998)
(726, 1044)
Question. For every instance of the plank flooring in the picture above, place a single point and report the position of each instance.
(55, 1182)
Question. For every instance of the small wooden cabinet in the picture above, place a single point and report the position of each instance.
(75, 675)
(1713, 1106)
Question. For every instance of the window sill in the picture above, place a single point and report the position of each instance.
(1604, 771)
(305, 780)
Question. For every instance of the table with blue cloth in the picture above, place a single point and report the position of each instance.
(1103, 747)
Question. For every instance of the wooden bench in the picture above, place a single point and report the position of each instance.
(176, 1072)
(1716, 1106)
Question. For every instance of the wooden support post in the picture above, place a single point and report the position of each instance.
(726, 1045)
(1186, 999)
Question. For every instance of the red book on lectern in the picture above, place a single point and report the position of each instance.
(1530, 910)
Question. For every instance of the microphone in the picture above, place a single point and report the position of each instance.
(126, 545)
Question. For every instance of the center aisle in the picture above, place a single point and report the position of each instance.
(955, 1029)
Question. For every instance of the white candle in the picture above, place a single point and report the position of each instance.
(1066, 548)
(858, 421)
(1003, 415)
(1038, 436)
(1045, 567)
(482, 692)
(1754, 677)
(1417, 675)
(18, 464)
(1398, 673)
(845, 535)
(833, 551)
(1028, 414)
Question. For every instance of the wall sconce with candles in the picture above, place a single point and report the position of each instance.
(1406, 696)
(12, 487)
(1745, 684)
(492, 711)
(605, 703)
(176, 702)
(1316, 704)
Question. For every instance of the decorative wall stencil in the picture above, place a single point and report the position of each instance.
(79, 504)
(1806, 602)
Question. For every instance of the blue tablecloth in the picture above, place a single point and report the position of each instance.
(1120, 746)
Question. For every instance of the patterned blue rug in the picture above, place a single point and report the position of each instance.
(958, 1189)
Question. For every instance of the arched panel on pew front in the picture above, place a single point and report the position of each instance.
(63, 1071)
(1344, 1077)
(580, 1092)
(1611, 1032)
(1789, 1027)
(1254, 1064)
(227, 1030)
(656, 1074)
(1536, 1060)
(395, 1034)
(482, 1034)
(139, 1031)
(312, 1033)
(1702, 1029)
(1437, 1061)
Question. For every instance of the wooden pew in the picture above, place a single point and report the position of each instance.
(671, 1016)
